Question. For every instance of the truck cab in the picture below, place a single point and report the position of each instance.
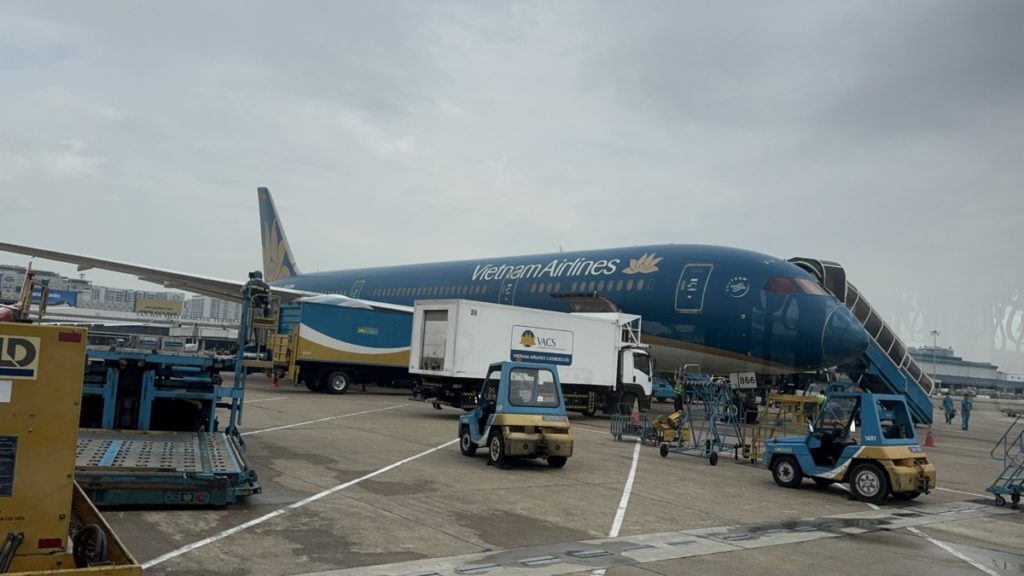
(520, 413)
(866, 440)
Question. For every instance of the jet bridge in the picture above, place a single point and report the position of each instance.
(886, 367)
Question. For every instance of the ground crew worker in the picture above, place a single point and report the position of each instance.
(678, 389)
(259, 290)
(947, 407)
(965, 411)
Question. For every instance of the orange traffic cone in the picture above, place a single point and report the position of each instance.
(929, 440)
(634, 416)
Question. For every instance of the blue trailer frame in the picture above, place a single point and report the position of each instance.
(135, 455)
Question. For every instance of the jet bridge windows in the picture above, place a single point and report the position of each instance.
(693, 283)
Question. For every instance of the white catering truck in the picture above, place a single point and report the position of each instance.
(601, 363)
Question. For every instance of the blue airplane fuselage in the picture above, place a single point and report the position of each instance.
(727, 309)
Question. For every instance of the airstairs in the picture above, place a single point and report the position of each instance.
(1011, 479)
(886, 366)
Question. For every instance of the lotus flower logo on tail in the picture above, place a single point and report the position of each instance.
(278, 262)
(645, 264)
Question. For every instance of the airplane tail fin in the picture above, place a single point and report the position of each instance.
(278, 262)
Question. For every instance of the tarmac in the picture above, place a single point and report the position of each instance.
(374, 483)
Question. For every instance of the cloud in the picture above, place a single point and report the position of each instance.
(70, 162)
(60, 100)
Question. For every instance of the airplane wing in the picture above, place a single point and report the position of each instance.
(215, 287)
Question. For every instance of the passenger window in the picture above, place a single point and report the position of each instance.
(629, 284)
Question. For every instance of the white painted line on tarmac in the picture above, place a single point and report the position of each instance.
(578, 427)
(956, 553)
(962, 492)
(623, 503)
(621, 513)
(286, 509)
(266, 399)
(261, 431)
(943, 545)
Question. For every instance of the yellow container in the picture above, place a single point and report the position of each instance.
(41, 373)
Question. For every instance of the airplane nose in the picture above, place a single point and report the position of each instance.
(842, 338)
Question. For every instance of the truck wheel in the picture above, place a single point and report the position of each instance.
(496, 450)
(663, 450)
(713, 458)
(337, 382)
(786, 472)
(869, 483)
(557, 461)
(466, 441)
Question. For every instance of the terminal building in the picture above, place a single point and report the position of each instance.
(81, 293)
(133, 318)
(953, 373)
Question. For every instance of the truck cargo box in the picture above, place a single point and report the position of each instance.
(332, 333)
(601, 362)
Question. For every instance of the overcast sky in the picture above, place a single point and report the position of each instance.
(886, 136)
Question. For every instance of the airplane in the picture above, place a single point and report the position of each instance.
(727, 309)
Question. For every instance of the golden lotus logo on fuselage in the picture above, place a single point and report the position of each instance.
(646, 264)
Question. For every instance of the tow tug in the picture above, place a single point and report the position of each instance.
(520, 413)
(882, 459)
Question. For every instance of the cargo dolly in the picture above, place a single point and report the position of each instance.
(150, 429)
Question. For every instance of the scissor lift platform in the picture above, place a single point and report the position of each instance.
(134, 467)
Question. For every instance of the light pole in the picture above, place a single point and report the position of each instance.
(935, 338)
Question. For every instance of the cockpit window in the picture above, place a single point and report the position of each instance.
(780, 286)
(810, 287)
(784, 285)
